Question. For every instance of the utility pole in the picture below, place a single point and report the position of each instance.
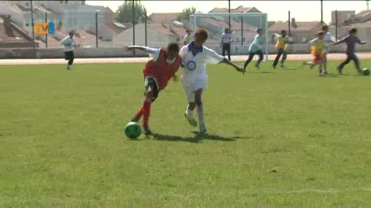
(32, 28)
(321, 11)
(229, 16)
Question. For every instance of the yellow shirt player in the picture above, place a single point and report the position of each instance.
(318, 50)
(281, 45)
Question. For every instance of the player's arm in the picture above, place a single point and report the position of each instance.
(228, 62)
(361, 42)
(65, 41)
(342, 40)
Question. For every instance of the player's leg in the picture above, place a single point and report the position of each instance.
(356, 62)
(200, 111)
(341, 66)
(189, 113)
(284, 57)
(325, 62)
(278, 56)
(251, 56)
(72, 58)
(261, 57)
(67, 58)
(229, 51)
(224, 49)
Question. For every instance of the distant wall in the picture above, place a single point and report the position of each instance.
(26, 53)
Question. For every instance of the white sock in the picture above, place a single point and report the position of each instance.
(200, 113)
(189, 112)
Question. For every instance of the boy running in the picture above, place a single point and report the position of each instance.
(195, 56)
(69, 44)
(281, 45)
(157, 72)
(256, 47)
(351, 40)
(329, 39)
(318, 48)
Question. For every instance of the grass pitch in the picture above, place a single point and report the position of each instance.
(278, 138)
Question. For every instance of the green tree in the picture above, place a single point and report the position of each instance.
(185, 13)
(125, 13)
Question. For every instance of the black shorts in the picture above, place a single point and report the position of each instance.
(151, 83)
(68, 55)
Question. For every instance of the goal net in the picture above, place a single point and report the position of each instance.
(243, 28)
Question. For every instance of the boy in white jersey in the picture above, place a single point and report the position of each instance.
(195, 56)
(329, 39)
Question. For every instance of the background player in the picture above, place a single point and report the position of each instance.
(351, 40)
(157, 72)
(256, 47)
(329, 39)
(195, 56)
(317, 50)
(226, 43)
(281, 45)
(69, 43)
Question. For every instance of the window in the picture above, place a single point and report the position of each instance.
(27, 24)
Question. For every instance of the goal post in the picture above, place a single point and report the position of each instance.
(243, 27)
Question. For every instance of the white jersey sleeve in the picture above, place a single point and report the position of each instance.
(153, 52)
(212, 57)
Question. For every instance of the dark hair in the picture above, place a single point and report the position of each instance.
(173, 47)
(283, 31)
(202, 33)
(259, 30)
(353, 30)
(324, 27)
(320, 33)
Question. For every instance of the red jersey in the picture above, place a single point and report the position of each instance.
(161, 71)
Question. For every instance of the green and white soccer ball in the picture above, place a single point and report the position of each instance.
(133, 130)
(366, 72)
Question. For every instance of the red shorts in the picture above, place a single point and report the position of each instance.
(317, 58)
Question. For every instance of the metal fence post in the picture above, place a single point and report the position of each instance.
(145, 28)
(32, 29)
(96, 29)
(336, 25)
(46, 36)
(133, 8)
(321, 11)
(289, 24)
(241, 30)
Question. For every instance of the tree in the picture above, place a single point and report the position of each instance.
(125, 13)
(186, 13)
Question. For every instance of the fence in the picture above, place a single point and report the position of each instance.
(96, 27)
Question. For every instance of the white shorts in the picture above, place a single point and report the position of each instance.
(191, 87)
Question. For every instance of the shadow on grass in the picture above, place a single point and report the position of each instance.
(260, 72)
(197, 138)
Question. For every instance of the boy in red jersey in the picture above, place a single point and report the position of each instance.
(157, 72)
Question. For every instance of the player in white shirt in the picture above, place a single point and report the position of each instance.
(69, 43)
(188, 37)
(329, 39)
(195, 57)
(226, 43)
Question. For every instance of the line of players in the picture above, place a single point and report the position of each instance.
(194, 57)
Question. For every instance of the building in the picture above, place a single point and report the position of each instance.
(342, 17)
(301, 32)
(363, 16)
(237, 10)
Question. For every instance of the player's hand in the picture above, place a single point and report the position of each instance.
(175, 78)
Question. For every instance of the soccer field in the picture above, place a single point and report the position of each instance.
(277, 138)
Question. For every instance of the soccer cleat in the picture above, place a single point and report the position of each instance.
(68, 67)
(191, 121)
(203, 129)
(147, 131)
(339, 70)
(282, 66)
(257, 66)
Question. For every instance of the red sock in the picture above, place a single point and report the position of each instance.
(146, 111)
(138, 115)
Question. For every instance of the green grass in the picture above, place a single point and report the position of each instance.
(278, 138)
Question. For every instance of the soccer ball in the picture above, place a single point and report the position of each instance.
(133, 130)
(366, 72)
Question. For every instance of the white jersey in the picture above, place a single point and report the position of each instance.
(226, 38)
(155, 54)
(328, 39)
(195, 63)
(68, 43)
